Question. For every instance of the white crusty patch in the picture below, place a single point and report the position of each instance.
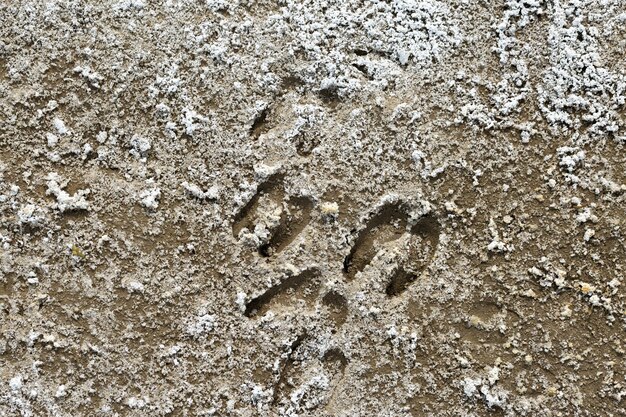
(211, 193)
(59, 125)
(201, 323)
(140, 146)
(65, 201)
(30, 215)
(150, 198)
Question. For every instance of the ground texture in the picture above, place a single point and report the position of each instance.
(313, 208)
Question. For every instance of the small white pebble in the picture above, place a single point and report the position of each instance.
(566, 312)
(52, 139)
(330, 209)
(150, 198)
(59, 125)
(16, 383)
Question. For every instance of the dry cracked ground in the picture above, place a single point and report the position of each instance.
(313, 208)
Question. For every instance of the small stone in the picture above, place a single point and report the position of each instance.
(330, 209)
(585, 288)
(566, 312)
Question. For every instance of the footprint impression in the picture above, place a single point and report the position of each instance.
(301, 360)
(390, 224)
(304, 293)
(274, 218)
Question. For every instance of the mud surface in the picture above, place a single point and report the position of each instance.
(312, 208)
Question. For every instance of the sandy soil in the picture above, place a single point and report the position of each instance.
(312, 208)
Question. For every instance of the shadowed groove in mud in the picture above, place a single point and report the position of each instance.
(424, 241)
(292, 222)
(259, 125)
(388, 225)
(336, 362)
(286, 367)
(295, 215)
(379, 229)
(399, 282)
(337, 306)
(245, 217)
(291, 288)
(335, 356)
